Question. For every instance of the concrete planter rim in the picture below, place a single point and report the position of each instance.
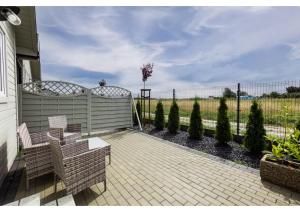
(264, 158)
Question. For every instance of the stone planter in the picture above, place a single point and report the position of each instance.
(280, 174)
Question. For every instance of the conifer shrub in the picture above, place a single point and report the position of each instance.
(196, 126)
(159, 121)
(139, 111)
(223, 133)
(173, 119)
(298, 125)
(254, 139)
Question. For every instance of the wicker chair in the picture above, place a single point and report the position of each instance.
(77, 166)
(69, 132)
(36, 152)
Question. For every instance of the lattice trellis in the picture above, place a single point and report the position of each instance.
(54, 88)
(110, 91)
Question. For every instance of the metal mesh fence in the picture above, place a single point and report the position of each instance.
(272, 97)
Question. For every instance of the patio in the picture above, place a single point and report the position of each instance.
(148, 171)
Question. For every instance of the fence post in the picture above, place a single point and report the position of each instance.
(174, 96)
(238, 109)
(89, 115)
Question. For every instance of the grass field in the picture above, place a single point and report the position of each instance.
(272, 109)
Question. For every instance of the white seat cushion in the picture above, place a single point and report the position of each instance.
(67, 134)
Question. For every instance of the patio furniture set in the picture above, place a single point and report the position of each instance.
(79, 163)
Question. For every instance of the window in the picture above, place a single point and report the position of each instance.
(3, 77)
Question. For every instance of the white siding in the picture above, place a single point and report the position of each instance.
(8, 111)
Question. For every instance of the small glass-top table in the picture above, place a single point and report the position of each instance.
(96, 142)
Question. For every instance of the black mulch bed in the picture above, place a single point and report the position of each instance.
(232, 151)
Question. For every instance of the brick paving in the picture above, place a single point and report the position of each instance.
(149, 171)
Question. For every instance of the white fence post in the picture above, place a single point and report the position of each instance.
(136, 113)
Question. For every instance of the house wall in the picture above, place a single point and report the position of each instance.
(26, 69)
(8, 106)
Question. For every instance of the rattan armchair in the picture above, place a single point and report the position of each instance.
(69, 132)
(77, 166)
(36, 152)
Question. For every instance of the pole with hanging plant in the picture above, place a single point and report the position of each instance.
(147, 71)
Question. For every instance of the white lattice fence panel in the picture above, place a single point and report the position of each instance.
(54, 88)
(110, 91)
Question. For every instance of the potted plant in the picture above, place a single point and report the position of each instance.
(282, 166)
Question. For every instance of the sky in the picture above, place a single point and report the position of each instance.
(191, 47)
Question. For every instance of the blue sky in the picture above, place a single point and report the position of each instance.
(189, 46)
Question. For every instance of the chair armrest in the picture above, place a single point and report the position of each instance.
(75, 148)
(74, 128)
(36, 150)
(57, 133)
(38, 138)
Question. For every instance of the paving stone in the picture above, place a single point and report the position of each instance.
(154, 202)
(33, 200)
(132, 201)
(66, 201)
(146, 195)
(15, 203)
(225, 201)
(179, 199)
(144, 202)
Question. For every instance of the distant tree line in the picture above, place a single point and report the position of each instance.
(228, 93)
(291, 91)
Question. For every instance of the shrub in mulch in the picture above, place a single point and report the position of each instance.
(223, 132)
(255, 134)
(173, 120)
(159, 121)
(196, 127)
(298, 125)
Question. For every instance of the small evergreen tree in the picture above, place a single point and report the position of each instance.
(298, 125)
(138, 109)
(159, 121)
(196, 126)
(173, 120)
(254, 139)
(223, 133)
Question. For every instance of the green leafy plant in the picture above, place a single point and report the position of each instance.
(173, 119)
(255, 134)
(286, 148)
(159, 121)
(223, 132)
(196, 126)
